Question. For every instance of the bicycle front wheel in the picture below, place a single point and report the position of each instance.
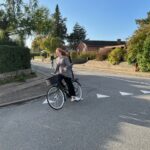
(55, 98)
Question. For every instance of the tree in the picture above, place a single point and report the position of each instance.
(37, 44)
(5, 26)
(41, 21)
(137, 50)
(59, 28)
(14, 14)
(145, 21)
(47, 43)
(144, 57)
(51, 43)
(78, 34)
(135, 44)
(54, 31)
(20, 18)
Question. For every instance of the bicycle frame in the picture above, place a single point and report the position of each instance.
(63, 88)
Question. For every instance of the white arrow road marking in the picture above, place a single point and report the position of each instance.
(145, 92)
(102, 96)
(45, 102)
(125, 94)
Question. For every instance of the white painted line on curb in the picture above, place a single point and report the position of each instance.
(125, 93)
(102, 96)
(145, 92)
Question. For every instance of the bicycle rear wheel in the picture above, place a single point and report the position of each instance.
(78, 89)
(55, 98)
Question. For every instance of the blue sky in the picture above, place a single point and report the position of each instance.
(103, 19)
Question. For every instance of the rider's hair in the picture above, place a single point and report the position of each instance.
(61, 51)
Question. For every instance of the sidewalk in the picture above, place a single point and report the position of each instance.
(21, 92)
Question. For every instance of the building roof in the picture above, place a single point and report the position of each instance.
(92, 43)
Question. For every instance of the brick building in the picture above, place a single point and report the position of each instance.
(90, 45)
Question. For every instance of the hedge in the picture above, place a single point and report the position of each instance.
(83, 55)
(8, 42)
(13, 58)
(34, 54)
(79, 60)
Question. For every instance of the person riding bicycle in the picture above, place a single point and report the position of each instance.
(64, 71)
(52, 60)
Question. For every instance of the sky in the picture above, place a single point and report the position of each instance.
(102, 19)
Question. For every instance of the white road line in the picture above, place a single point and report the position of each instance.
(102, 96)
(125, 93)
(141, 86)
(130, 81)
(145, 92)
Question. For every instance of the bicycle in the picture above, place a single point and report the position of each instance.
(52, 64)
(58, 93)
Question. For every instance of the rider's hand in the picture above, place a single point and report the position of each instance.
(65, 69)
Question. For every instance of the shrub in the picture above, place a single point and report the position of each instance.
(44, 54)
(93, 55)
(125, 56)
(34, 54)
(116, 56)
(13, 58)
(79, 60)
(103, 54)
(100, 57)
(74, 55)
(88, 55)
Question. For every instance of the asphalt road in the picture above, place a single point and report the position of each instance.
(114, 115)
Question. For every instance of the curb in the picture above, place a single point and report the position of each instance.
(22, 100)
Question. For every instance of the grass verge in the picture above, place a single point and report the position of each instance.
(19, 78)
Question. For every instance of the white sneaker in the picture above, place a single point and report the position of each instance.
(74, 98)
(77, 98)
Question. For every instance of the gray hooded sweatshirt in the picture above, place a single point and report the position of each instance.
(64, 66)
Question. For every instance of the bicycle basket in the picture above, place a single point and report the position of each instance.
(52, 80)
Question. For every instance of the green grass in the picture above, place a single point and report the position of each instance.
(20, 78)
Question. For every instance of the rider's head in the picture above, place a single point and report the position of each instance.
(60, 52)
